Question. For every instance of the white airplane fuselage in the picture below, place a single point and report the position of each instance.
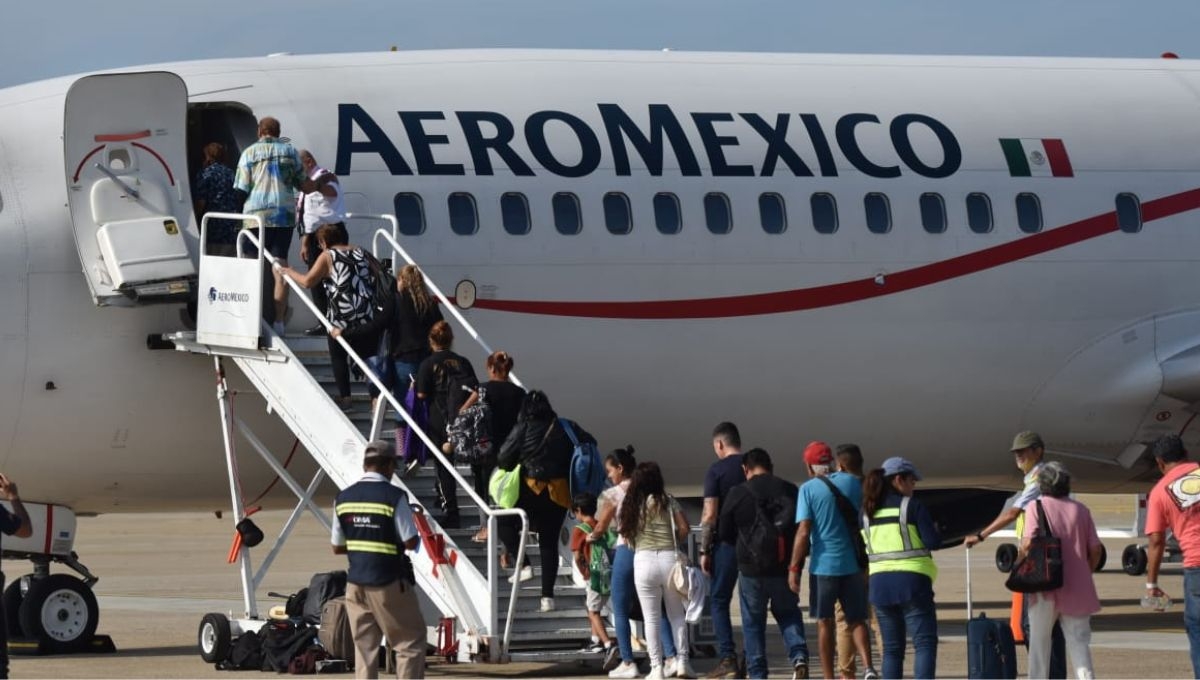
(934, 346)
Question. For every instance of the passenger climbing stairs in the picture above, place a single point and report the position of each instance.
(481, 615)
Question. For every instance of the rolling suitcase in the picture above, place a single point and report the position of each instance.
(991, 652)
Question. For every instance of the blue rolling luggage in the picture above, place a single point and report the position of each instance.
(991, 651)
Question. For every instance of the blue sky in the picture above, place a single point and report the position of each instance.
(54, 37)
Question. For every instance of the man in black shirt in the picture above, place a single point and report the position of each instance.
(758, 518)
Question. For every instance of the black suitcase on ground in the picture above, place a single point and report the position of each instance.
(991, 651)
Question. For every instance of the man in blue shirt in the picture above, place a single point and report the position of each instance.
(835, 574)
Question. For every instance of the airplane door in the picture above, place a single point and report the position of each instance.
(125, 140)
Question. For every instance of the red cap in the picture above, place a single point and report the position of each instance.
(818, 453)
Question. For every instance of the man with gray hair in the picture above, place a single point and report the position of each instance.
(1028, 450)
(374, 528)
(1173, 504)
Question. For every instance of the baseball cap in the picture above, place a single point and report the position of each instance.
(379, 449)
(1027, 440)
(818, 453)
(897, 465)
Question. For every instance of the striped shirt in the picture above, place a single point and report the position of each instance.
(269, 171)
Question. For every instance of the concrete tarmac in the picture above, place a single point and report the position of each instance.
(159, 573)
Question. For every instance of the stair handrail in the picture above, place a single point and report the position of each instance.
(397, 249)
(302, 294)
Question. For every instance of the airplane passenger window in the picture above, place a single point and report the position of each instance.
(933, 213)
(667, 214)
(567, 219)
(824, 213)
(1129, 213)
(514, 212)
(979, 213)
(618, 216)
(879, 213)
(464, 220)
(410, 215)
(1029, 213)
(772, 213)
(717, 213)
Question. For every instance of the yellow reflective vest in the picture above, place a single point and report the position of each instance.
(895, 545)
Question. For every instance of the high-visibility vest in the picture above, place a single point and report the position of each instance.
(895, 545)
(366, 513)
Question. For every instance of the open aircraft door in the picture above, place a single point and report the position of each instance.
(125, 140)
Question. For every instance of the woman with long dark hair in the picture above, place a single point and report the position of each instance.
(619, 465)
(653, 524)
(542, 448)
(900, 535)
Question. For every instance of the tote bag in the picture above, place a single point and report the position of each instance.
(1042, 568)
(505, 487)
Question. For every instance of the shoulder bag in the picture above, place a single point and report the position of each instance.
(1042, 567)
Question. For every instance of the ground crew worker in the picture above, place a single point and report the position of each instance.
(14, 523)
(900, 534)
(374, 528)
(1029, 450)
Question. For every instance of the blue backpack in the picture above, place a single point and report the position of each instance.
(587, 468)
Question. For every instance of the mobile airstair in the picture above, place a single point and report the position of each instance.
(471, 610)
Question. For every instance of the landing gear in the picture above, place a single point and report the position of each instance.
(60, 612)
(1133, 560)
(1006, 557)
(215, 637)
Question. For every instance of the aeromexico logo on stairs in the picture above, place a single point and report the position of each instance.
(215, 295)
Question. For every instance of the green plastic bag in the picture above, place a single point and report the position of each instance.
(505, 487)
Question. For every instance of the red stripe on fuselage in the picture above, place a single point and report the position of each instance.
(852, 291)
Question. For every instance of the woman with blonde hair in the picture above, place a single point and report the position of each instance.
(416, 313)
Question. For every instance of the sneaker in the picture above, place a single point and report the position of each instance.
(871, 674)
(656, 673)
(800, 671)
(315, 331)
(548, 604)
(627, 669)
(728, 668)
(523, 574)
(669, 667)
(279, 329)
(612, 657)
(593, 648)
(683, 669)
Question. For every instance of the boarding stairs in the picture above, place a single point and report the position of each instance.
(462, 581)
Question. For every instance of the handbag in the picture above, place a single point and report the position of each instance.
(678, 578)
(1042, 567)
(505, 487)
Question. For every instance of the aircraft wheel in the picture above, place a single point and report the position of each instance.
(1133, 560)
(60, 611)
(1103, 559)
(12, 598)
(215, 638)
(1006, 556)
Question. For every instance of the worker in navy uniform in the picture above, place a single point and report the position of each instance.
(374, 528)
(14, 523)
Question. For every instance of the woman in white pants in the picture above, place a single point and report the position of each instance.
(652, 523)
(1074, 603)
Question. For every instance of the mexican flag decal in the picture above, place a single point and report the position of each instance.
(1037, 158)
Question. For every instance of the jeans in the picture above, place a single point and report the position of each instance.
(1191, 614)
(652, 576)
(920, 619)
(755, 592)
(724, 578)
(621, 597)
(1077, 631)
(340, 361)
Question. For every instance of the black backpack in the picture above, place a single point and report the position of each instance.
(385, 288)
(244, 655)
(283, 641)
(765, 542)
(322, 588)
(455, 381)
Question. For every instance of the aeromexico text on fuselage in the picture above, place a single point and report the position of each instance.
(489, 136)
